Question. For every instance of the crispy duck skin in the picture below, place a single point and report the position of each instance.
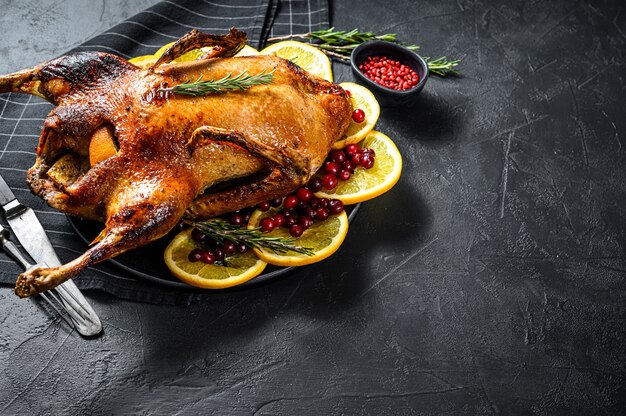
(179, 156)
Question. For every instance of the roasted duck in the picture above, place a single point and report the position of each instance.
(179, 156)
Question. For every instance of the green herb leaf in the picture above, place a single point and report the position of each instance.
(220, 230)
(340, 44)
(240, 82)
(441, 66)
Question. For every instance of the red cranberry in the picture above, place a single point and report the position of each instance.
(291, 220)
(290, 202)
(198, 235)
(195, 255)
(358, 115)
(322, 202)
(367, 161)
(351, 149)
(229, 248)
(264, 206)
(208, 257)
(321, 214)
(279, 220)
(296, 230)
(344, 174)
(347, 92)
(267, 225)
(309, 212)
(356, 158)
(338, 156)
(235, 219)
(219, 254)
(329, 181)
(304, 194)
(335, 206)
(348, 165)
(370, 151)
(242, 248)
(276, 202)
(332, 168)
(315, 184)
(305, 222)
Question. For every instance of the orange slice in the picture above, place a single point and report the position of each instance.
(238, 268)
(366, 184)
(143, 61)
(324, 238)
(248, 51)
(304, 55)
(364, 99)
(162, 50)
(102, 145)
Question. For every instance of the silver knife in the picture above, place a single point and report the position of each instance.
(29, 232)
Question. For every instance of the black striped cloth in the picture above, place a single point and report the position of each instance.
(21, 117)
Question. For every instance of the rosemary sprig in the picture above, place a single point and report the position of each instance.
(220, 230)
(339, 44)
(240, 82)
(340, 39)
(441, 66)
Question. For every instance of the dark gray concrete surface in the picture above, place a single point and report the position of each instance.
(490, 280)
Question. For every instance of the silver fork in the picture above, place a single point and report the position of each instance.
(61, 298)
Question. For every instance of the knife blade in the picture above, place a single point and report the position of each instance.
(29, 232)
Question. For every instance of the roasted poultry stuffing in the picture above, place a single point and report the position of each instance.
(178, 156)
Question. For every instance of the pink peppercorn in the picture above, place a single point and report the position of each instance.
(389, 73)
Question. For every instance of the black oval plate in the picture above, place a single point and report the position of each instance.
(147, 261)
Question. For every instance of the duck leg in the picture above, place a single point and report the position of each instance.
(140, 213)
(25, 82)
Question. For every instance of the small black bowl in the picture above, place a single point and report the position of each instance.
(387, 96)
